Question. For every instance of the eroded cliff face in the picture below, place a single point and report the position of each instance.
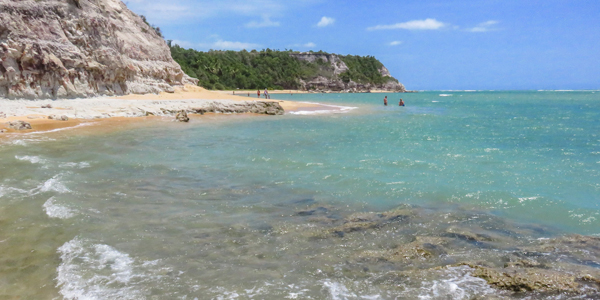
(334, 83)
(333, 60)
(81, 48)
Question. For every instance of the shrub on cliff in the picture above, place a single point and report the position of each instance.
(268, 68)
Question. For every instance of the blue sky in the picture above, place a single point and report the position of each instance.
(426, 45)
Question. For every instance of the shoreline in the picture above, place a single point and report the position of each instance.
(252, 93)
(189, 98)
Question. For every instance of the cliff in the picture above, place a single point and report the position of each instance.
(336, 76)
(81, 48)
(314, 71)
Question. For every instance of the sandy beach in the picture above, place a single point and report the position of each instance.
(77, 111)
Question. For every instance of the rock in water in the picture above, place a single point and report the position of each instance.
(19, 125)
(70, 49)
(182, 116)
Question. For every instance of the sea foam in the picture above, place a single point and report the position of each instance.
(96, 271)
(53, 184)
(31, 159)
(336, 109)
(54, 210)
(458, 284)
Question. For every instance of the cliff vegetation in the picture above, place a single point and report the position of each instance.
(287, 69)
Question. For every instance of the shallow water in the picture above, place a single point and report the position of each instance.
(230, 207)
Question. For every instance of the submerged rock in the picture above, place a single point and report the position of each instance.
(19, 125)
(422, 248)
(527, 280)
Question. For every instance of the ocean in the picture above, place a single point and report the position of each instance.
(370, 202)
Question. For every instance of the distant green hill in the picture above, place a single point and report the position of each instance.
(275, 69)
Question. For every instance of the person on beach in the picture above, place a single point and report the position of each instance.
(258, 94)
(401, 103)
(266, 93)
(385, 101)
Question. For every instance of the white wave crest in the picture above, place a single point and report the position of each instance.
(337, 291)
(31, 159)
(80, 165)
(54, 210)
(54, 184)
(19, 142)
(97, 271)
(523, 199)
(459, 284)
(335, 110)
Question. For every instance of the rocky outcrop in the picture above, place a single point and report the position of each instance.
(255, 107)
(393, 248)
(528, 279)
(61, 118)
(182, 116)
(323, 84)
(106, 108)
(336, 63)
(333, 65)
(19, 125)
(70, 49)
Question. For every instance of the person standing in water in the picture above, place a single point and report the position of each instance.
(385, 101)
(401, 103)
(258, 94)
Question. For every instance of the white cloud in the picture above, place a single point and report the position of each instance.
(484, 27)
(226, 45)
(427, 24)
(266, 22)
(307, 45)
(217, 45)
(183, 44)
(326, 21)
(395, 43)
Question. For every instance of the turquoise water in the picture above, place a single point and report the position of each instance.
(531, 156)
(210, 209)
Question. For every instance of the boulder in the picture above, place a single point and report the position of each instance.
(182, 116)
(19, 125)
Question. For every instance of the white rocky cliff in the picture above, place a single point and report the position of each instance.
(81, 48)
(333, 66)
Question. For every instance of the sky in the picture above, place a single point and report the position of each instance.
(425, 44)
